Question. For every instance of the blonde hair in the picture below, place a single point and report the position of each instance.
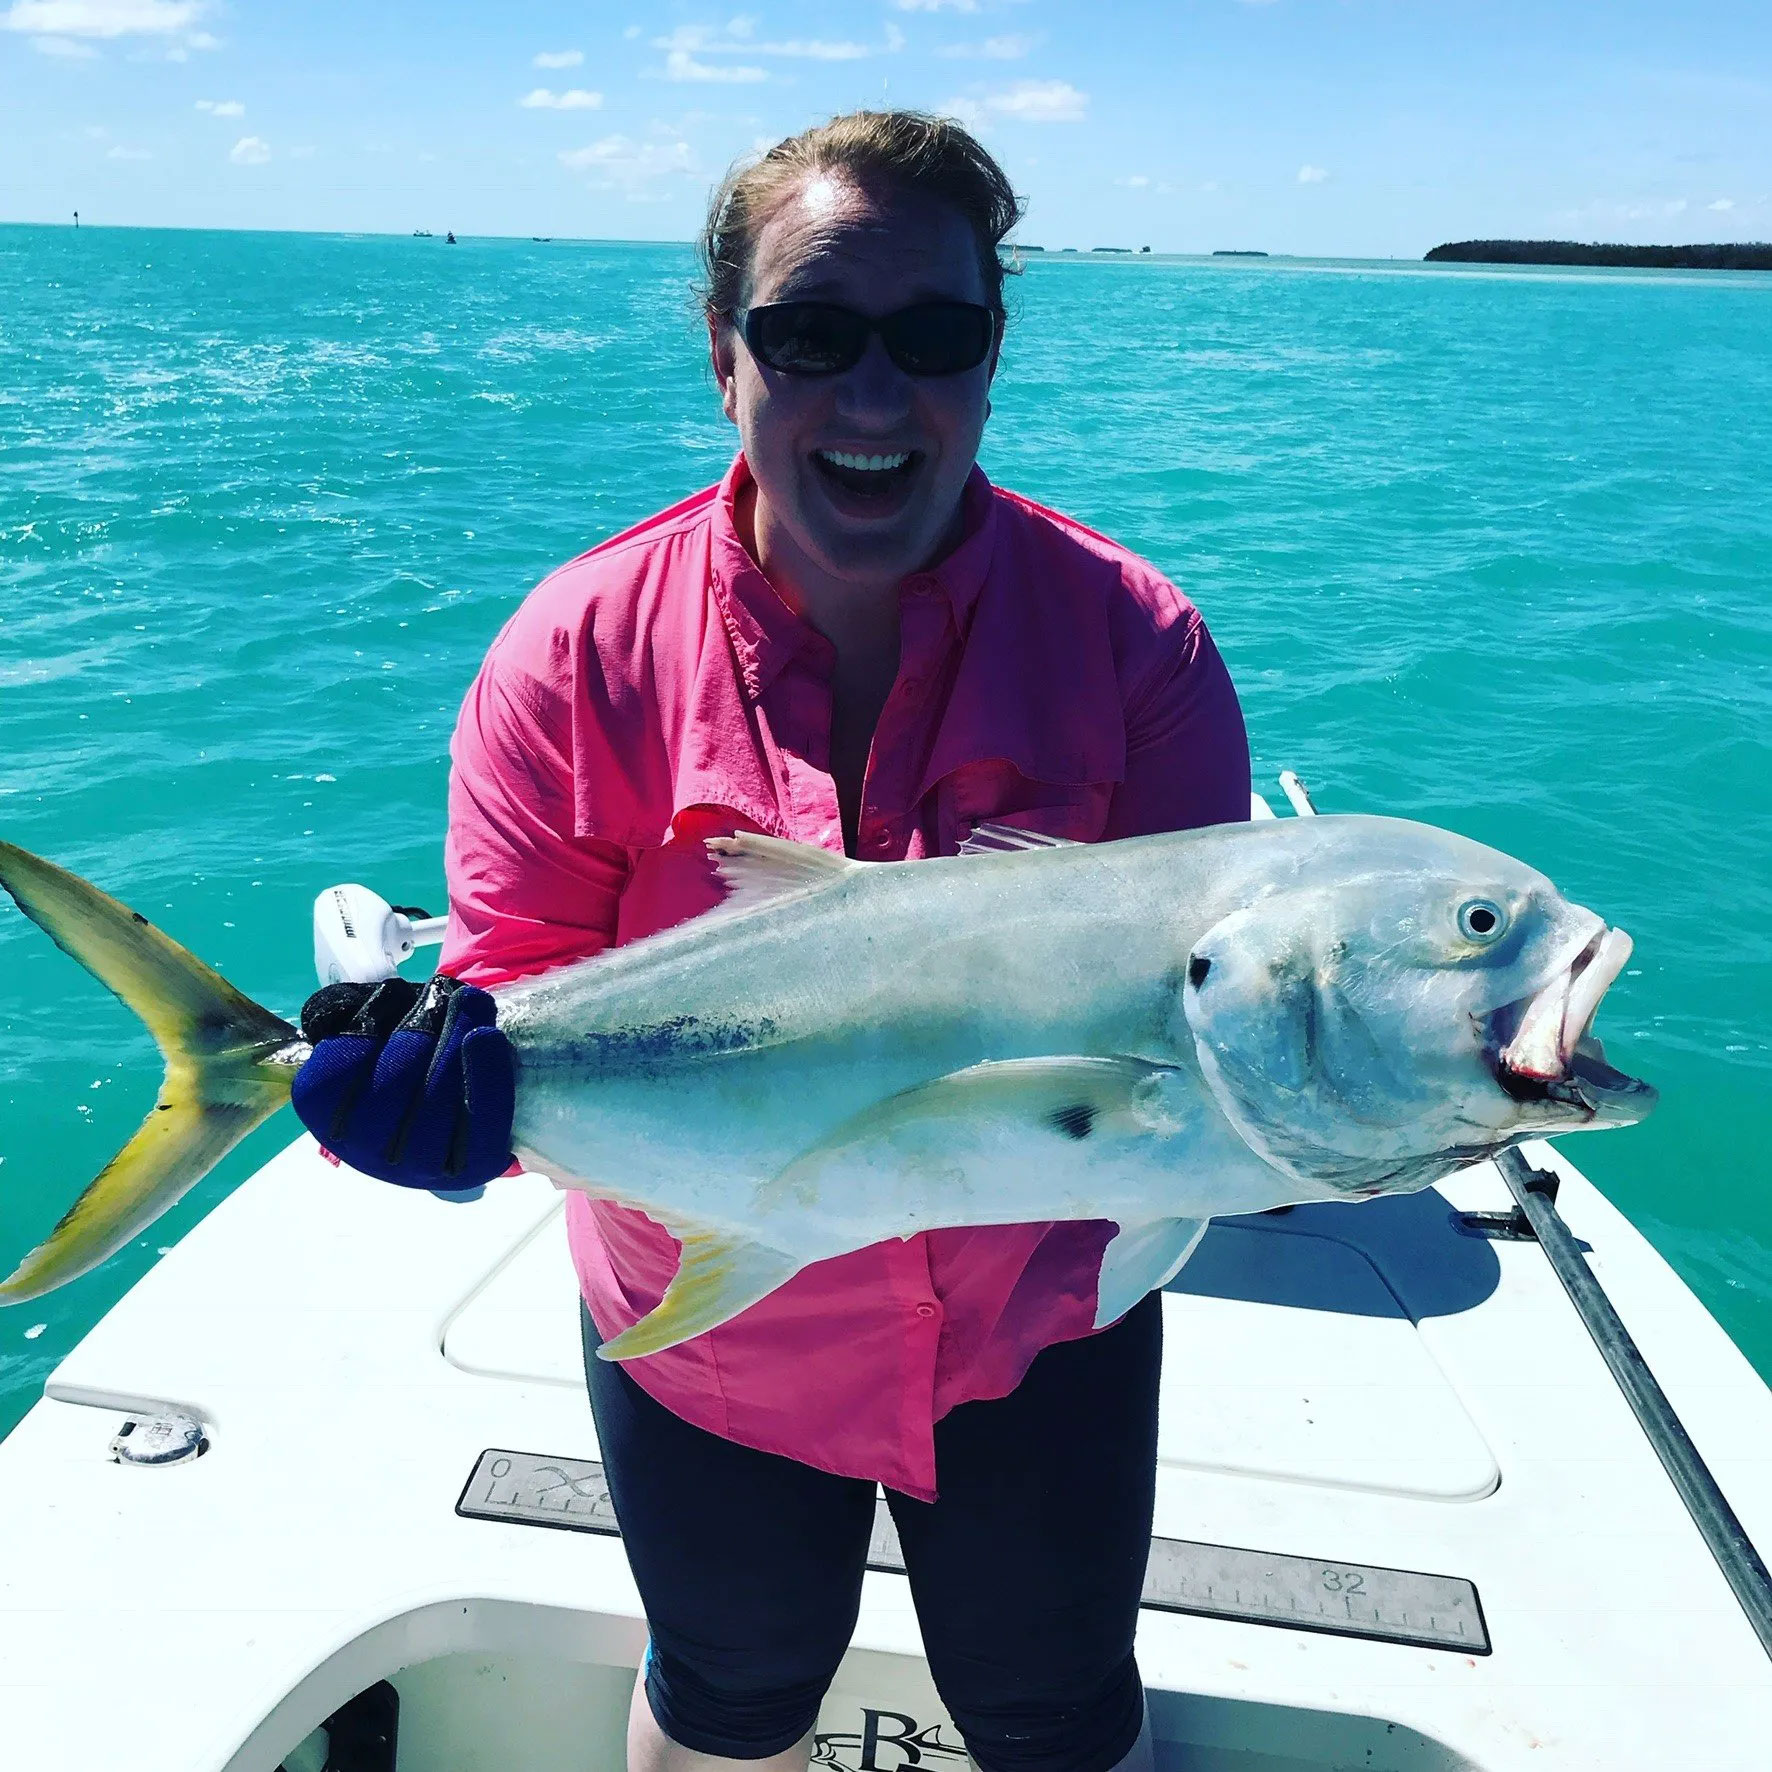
(906, 151)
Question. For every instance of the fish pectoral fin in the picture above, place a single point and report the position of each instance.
(720, 1275)
(758, 870)
(1070, 1099)
(1141, 1258)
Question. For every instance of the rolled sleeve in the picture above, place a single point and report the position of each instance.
(1187, 752)
(525, 892)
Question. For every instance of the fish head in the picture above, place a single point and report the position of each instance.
(1425, 1007)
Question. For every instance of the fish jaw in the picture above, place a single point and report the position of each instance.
(1551, 1055)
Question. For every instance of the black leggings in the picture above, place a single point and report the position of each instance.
(1026, 1573)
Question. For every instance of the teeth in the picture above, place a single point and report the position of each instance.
(867, 464)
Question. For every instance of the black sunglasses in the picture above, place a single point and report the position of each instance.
(821, 338)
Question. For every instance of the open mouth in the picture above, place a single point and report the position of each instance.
(1551, 1054)
(864, 481)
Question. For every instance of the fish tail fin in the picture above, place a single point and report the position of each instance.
(218, 1046)
(720, 1276)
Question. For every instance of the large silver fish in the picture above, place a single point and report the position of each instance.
(1156, 1031)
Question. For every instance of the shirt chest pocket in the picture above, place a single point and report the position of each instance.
(996, 792)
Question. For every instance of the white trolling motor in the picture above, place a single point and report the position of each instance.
(359, 938)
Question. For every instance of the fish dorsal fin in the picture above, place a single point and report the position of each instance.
(1005, 839)
(757, 870)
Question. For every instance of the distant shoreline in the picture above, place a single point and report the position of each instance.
(1753, 256)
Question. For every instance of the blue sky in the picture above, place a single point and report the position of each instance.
(1311, 126)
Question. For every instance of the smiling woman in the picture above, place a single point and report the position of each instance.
(854, 641)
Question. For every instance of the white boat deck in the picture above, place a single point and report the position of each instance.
(1361, 1385)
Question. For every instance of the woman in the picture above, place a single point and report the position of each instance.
(853, 640)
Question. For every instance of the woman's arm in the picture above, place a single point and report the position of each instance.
(525, 892)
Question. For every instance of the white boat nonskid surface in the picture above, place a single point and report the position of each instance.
(1355, 1398)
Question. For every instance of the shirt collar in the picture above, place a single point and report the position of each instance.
(766, 633)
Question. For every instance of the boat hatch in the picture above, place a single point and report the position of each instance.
(1286, 1356)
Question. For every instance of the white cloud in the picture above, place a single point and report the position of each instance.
(122, 153)
(227, 107)
(1027, 101)
(618, 162)
(250, 150)
(681, 65)
(575, 99)
(936, 5)
(816, 49)
(685, 45)
(559, 58)
(63, 48)
(1722, 205)
(1138, 181)
(102, 18)
(1312, 175)
(632, 32)
(1009, 48)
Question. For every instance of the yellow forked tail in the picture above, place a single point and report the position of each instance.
(220, 1079)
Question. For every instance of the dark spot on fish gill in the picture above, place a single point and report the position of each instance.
(1075, 1121)
(1197, 968)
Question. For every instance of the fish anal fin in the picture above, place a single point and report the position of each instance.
(1141, 1258)
(719, 1276)
(758, 870)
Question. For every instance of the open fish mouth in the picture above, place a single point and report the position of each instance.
(1551, 1054)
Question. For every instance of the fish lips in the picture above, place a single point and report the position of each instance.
(1542, 1049)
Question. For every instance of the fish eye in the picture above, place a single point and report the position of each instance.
(1481, 919)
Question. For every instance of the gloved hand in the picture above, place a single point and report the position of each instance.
(413, 1085)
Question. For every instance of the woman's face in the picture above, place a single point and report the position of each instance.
(874, 252)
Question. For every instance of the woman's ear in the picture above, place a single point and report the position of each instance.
(722, 356)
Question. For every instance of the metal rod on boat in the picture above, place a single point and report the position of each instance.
(1298, 794)
(1535, 1193)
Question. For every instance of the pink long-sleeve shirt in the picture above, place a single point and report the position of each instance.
(657, 691)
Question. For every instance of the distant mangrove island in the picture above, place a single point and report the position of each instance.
(1754, 256)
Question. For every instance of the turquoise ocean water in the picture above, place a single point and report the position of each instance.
(1492, 550)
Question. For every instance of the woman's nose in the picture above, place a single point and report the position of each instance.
(876, 389)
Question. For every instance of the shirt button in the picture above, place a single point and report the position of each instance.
(925, 1310)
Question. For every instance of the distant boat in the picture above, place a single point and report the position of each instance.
(422, 234)
(1221, 253)
(542, 239)
(449, 238)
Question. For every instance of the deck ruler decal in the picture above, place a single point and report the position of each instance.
(1209, 1580)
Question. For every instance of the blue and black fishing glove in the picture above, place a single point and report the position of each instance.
(412, 1084)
